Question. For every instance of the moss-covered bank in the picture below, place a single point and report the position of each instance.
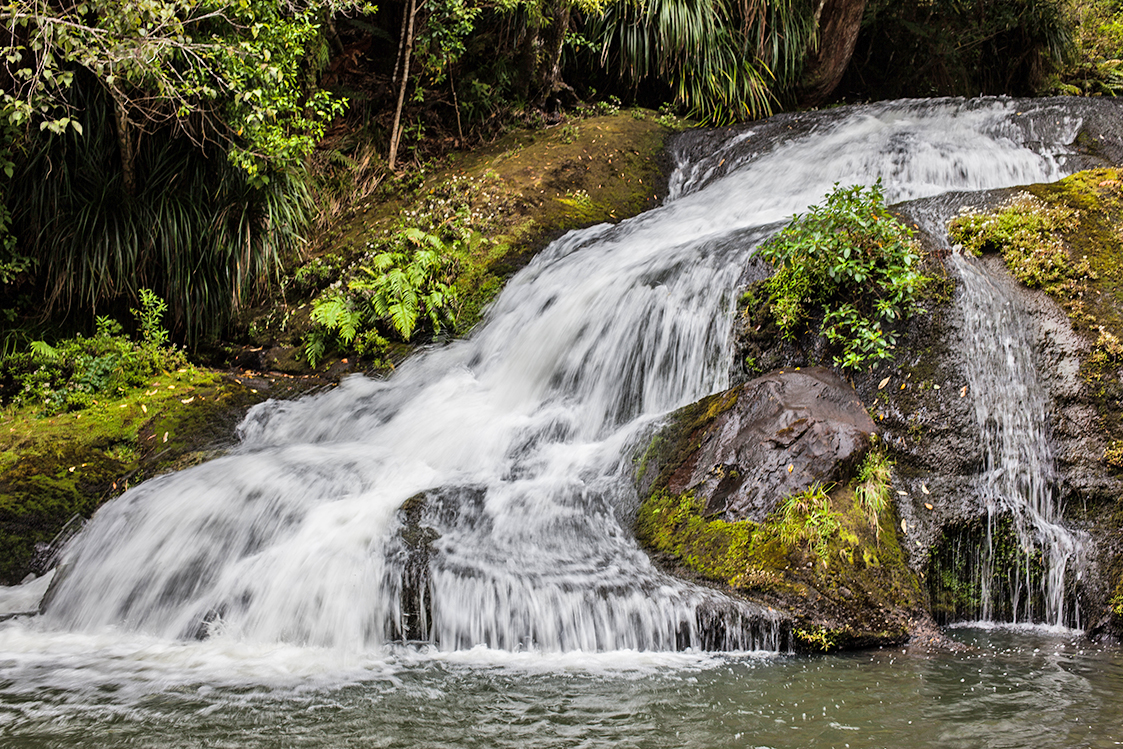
(506, 201)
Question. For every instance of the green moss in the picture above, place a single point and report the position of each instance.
(69, 464)
(818, 557)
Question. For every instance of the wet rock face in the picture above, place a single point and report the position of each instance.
(786, 431)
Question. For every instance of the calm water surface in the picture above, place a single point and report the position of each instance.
(1015, 688)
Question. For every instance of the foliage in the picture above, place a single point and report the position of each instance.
(390, 292)
(71, 374)
(720, 59)
(197, 231)
(851, 261)
(807, 516)
(871, 487)
(211, 70)
(1097, 65)
(948, 47)
(441, 41)
(1026, 232)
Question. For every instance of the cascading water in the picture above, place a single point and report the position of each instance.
(1028, 582)
(514, 444)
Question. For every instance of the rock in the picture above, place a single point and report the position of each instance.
(785, 432)
(713, 476)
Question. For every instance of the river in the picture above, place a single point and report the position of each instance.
(261, 599)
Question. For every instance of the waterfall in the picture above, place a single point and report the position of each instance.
(1011, 406)
(510, 450)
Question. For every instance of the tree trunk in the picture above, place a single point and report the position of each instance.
(125, 144)
(839, 23)
(395, 130)
(548, 78)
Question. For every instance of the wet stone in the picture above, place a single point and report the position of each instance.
(786, 431)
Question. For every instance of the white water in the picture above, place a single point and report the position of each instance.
(1011, 406)
(287, 547)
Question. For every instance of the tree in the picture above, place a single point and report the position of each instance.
(161, 144)
(210, 70)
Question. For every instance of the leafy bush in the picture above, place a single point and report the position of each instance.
(72, 373)
(852, 262)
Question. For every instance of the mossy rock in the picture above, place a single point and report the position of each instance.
(848, 586)
(59, 467)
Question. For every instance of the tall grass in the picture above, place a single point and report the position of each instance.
(195, 230)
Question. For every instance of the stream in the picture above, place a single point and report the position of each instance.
(278, 597)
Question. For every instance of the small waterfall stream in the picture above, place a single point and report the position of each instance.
(512, 447)
(1011, 407)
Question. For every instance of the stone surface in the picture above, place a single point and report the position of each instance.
(787, 431)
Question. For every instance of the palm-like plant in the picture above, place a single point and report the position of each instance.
(196, 230)
(723, 59)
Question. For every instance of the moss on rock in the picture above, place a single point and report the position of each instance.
(849, 586)
(57, 467)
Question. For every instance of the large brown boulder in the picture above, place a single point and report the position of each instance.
(777, 435)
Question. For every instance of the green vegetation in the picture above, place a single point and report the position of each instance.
(871, 487)
(723, 61)
(72, 374)
(852, 262)
(406, 282)
(1028, 234)
(1096, 68)
(807, 516)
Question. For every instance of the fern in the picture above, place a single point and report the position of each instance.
(45, 351)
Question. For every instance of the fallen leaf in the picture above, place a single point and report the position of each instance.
(791, 467)
(924, 489)
(963, 392)
(185, 401)
(905, 526)
(881, 385)
(144, 408)
(71, 469)
(165, 436)
(928, 505)
(901, 493)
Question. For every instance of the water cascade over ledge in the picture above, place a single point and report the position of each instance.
(513, 447)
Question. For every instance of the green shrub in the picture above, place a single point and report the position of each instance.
(73, 373)
(852, 262)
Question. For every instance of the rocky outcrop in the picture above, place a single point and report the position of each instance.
(751, 490)
(773, 437)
